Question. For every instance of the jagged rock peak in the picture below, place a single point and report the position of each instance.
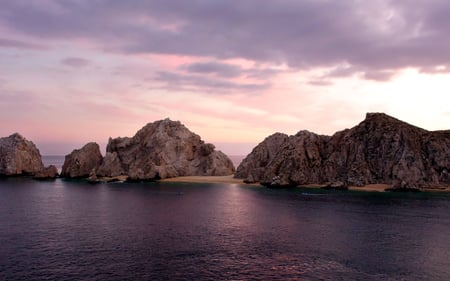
(161, 149)
(381, 149)
(19, 156)
(383, 119)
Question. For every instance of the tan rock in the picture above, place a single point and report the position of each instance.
(19, 156)
(163, 149)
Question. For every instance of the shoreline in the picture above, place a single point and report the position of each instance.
(231, 180)
(206, 179)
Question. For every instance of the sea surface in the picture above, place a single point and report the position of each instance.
(72, 230)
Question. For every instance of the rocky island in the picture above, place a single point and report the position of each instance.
(20, 157)
(162, 149)
(379, 150)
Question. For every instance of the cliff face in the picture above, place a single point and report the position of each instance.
(81, 162)
(162, 149)
(381, 149)
(19, 156)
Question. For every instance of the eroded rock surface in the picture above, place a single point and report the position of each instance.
(81, 162)
(162, 149)
(381, 149)
(19, 156)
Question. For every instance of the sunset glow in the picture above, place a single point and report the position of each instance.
(233, 72)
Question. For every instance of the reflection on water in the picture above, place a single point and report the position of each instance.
(170, 231)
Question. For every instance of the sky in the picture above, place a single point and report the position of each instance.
(234, 72)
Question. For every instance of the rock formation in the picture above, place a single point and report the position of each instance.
(19, 156)
(381, 149)
(50, 172)
(162, 149)
(81, 162)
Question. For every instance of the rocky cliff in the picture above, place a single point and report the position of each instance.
(381, 149)
(81, 162)
(162, 149)
(19, 156)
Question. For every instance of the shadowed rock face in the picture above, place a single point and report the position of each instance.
(162, 149)
(19, 156)
(81, 162)
(381, 149)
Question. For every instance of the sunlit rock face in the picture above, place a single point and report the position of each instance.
(381, 149)
(162, 149)
(19, 156)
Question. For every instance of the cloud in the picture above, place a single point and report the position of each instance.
(320, 82)
(216, 68)
(17, 44)
(189, 82)
(379, 75)
(376, 37)
(75, 62)
(227, 70)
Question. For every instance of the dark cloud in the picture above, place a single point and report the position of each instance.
(379, 75)
(75, 62)
(217, 68)
(227, 70)
(373, 37)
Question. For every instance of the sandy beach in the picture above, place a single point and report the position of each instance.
(231, 180)
(206, 179)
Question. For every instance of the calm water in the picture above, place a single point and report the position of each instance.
(69, 230)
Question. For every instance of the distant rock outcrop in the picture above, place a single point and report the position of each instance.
(50, 172)
(162, 149)
(81, 162)
(381, 149)
(19, 156)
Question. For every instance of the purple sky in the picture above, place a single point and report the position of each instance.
(231, 71)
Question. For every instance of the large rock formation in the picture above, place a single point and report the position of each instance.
(162, 149)
(81, 162)
(19, 156)
(381, 149)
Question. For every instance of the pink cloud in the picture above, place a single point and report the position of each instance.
(19, 44)
(75, 62)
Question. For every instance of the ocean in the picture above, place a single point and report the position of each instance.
(72, 230)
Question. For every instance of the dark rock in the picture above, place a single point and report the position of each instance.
(381, 149)
(81, 162)
(19, 156)
(111, 165)
(93, 177)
